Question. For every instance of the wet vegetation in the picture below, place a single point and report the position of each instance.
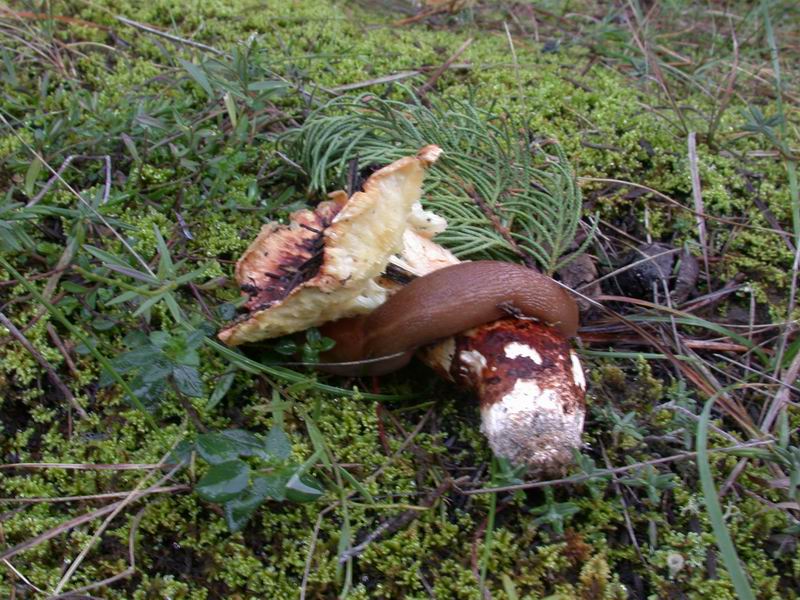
(142, 145)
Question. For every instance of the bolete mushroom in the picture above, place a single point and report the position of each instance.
(498, 328)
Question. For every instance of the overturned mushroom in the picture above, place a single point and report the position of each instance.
(323, 265)
(498, 328)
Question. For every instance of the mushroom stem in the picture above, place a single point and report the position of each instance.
(530, 388)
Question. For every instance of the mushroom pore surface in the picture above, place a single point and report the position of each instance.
(444, 303)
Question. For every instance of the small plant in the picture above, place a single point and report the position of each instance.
(245, 470)
(554, 513)
(308, 352)
(159, 359)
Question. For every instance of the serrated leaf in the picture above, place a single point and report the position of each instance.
(222, 388)
(239, 510)
(187, 380)
(160, 338)
(224, 481)
(278, 444)
(216, 448)
(248, 444)
(138, 357)
(150, 393)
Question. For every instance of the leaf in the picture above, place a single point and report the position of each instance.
(224, 481)
(239, 510)
(181, 452)
(216, 448)
(31, 175)
(123, 297)
(138, 357)
(278, 444)
(101, 324)
(221, 389)
(268, 85)
(187, 380)
(286, 347)
(166, 268)
(149, 393)
(247, 444)
(198, 75)
(131, 146)
(302, 489)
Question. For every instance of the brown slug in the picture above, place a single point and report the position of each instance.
(441, 304)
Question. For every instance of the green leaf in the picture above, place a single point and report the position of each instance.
(268, 85)
(246, 443)
(239, 510)
(278, 444)
(216, 448)
(224, 481)
(302, 489)
(287, 347)
(160, 338)
(187, 380)
(149, 393)
(138, 357)
(31, 175)
(222, 387)
(181, 452)
(123, 297)
(198, 75)
(101, 324)
(166, 268)
(131, 146)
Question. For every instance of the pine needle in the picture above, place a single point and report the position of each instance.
(504, 194)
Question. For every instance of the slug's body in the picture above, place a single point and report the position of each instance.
(441, 304)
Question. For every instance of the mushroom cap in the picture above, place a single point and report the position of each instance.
(323, 265)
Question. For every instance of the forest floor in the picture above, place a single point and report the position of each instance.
(143, 145)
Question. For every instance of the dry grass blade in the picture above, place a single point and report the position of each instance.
(615, 471)
(699, 207)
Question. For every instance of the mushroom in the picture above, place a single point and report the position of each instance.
(498, 328)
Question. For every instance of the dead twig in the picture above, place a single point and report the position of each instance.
(82, 466)
(604, 472)
(428, 85)
(128, 572)
(43, 500)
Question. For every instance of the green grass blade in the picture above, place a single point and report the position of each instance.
(723, 537)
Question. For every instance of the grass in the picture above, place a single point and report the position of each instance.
(141, 148)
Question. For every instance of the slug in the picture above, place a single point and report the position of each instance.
(441, 304)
